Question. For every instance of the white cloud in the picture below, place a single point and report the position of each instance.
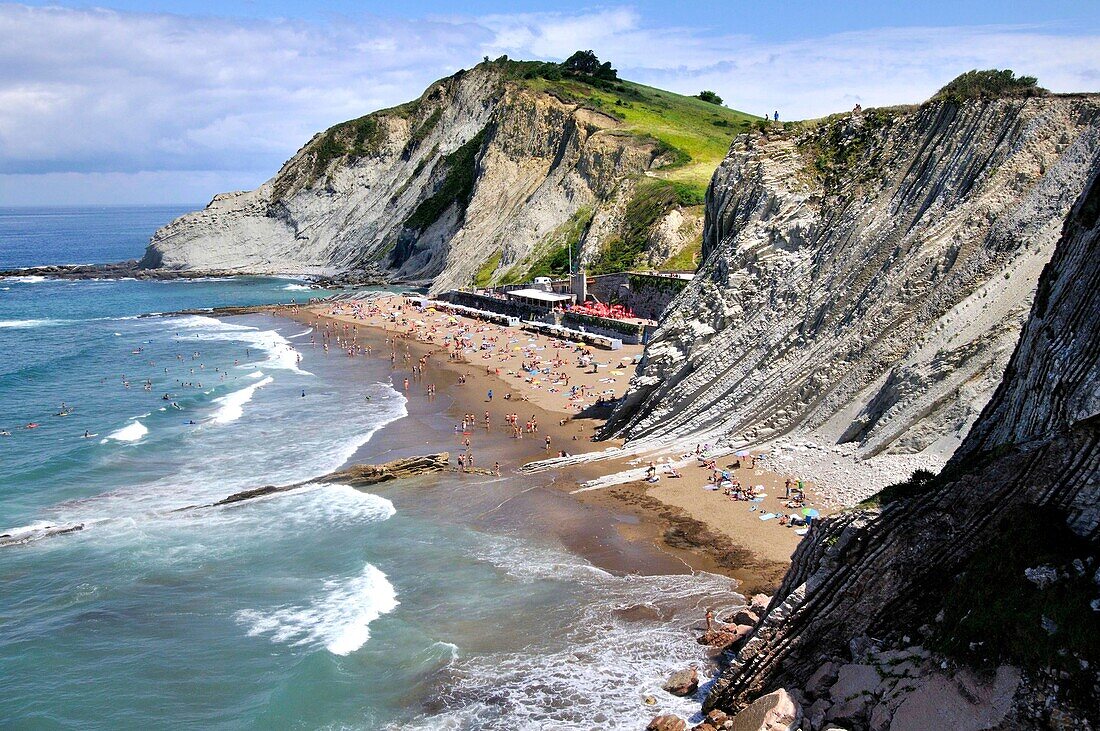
(112, 93)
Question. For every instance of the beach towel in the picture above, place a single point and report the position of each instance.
(767, 516)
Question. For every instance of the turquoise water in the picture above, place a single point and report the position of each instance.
(325, 607)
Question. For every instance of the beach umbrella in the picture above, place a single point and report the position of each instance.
(810, 512)
(744, 453)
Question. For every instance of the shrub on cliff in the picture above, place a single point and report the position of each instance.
(709, 96)
(989, 84)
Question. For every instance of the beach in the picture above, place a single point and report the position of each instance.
(675, 524)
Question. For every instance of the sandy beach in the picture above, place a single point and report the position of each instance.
(447, 365)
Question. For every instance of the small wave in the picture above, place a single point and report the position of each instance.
(232, 404)
(339, 619)
(300, 335)
(132, 432)
(281, 354)
(296, 287)
(26, 278)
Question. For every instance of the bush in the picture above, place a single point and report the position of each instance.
(989, 84)
(709, 96)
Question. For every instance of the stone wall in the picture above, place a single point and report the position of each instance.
(646, 294)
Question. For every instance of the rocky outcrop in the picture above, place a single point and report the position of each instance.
(864, 282)
(360, 475)
(473, 177)
(941, 558)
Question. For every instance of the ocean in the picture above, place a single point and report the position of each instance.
(324, 607)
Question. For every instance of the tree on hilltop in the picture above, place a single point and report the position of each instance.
(709, 96)
(585, 63)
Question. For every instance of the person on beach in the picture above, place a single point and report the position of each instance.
(496, 468)
(490, 394)
(710, 619)
(547, 442)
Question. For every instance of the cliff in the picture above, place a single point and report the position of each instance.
(490, 175)
(993, 563)
(865, 278)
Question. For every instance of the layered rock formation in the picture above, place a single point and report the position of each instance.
(864, 282)
(948, 560)
(478, 175)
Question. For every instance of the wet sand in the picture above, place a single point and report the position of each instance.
(673, 526)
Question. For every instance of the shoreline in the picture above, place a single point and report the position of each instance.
(673, 526)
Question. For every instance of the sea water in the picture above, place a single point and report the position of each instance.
(322, 607)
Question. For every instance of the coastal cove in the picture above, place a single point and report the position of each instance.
(375, 601)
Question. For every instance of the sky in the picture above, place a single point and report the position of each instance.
(161, 102)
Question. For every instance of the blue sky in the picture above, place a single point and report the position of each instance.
(155, 102)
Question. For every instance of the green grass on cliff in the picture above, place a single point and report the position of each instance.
(699, 131)
(457, 186)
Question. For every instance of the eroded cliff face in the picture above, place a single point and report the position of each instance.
(942, 562)
(864, 283)
(481, 169)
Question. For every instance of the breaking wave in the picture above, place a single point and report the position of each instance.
(338, 618)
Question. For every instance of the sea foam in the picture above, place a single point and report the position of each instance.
(28, 323)
(338, 618)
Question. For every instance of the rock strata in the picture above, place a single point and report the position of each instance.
(1033, 454)
(873, 306)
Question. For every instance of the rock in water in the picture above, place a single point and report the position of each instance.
(667, 722)
(683, 682)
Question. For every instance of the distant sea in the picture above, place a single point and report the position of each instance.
(79, 235)
(327, 607)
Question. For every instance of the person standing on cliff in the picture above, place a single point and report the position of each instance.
(776, 116)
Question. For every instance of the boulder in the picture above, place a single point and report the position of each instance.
(961, 703)
(819, 683)
(815, 714)
(667, 722)
(1042, 576)
(773, 712)
(759, 603)
(743, 616)
(853, 692)
(683, 682)
(719, 719)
